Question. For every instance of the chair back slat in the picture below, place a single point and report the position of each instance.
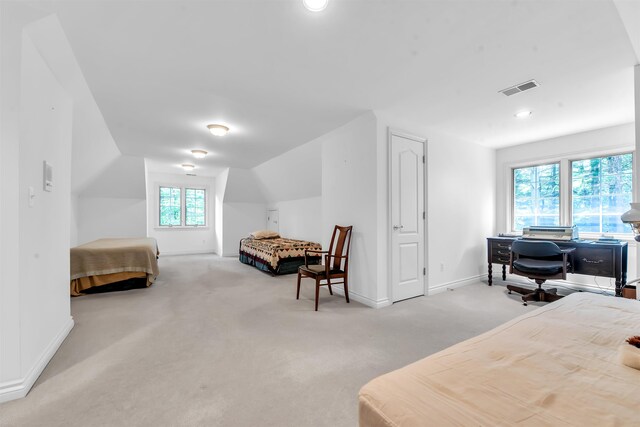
(341, 249)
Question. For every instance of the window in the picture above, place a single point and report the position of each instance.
(170, 210)
(536, 195)
(601, 192)
(194, 202)
(180, 206)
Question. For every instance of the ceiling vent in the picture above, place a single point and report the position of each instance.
(191, 174)
(520, 87)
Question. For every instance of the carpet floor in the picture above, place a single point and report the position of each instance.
(217, 343)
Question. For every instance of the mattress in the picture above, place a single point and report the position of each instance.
(277, 255)
(106, 261)
(555, 366)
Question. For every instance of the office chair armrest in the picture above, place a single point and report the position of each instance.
(567, 250)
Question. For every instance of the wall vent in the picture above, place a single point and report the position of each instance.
(520, 87)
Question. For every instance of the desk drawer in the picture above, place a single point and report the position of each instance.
(500, 252)
(594, 261)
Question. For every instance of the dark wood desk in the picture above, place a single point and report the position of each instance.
(589, 258)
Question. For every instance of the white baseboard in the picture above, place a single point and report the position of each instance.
(454, 284)
(338, 289)
(17, 389)
(190, 252)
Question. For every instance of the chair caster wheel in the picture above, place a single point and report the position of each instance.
(524, 303)
(509, 292)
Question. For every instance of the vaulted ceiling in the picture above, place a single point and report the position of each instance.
(279, 75)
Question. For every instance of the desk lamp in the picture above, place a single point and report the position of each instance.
(632, 217)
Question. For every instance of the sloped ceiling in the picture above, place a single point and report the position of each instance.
(281, 76)
(98, 167)
(242, 187)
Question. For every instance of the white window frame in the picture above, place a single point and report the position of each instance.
(183, 217)
(570, 188)
(512, 203)
(566, 214)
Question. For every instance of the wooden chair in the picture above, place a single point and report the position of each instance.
(336, 263)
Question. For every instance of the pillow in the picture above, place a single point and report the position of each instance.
(264, 234)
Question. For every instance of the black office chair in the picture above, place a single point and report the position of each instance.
(540, 261)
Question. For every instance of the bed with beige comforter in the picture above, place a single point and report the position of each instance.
(555, 366)
(107, 261)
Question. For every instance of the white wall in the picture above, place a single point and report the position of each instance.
(460, 204)
(596, 142)
(300, 219)
(296, 174)
(349, 194)
(102, 217)
(243, 208)
(73, 220)
(240, 219)
(34, 249)
(221, 185)
(45, 134)
(292, 183)
(176, 240)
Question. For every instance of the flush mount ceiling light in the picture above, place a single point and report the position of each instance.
(218, 130)
(188, 167)
(522, 114)
(315, 5)
(199, 154)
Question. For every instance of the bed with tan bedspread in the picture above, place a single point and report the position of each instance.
(107, 261)
(555, 366)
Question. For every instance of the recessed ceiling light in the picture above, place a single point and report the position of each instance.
(315, 5)
(188, 167)
(522, 114)
(198, 154)
(218, 130)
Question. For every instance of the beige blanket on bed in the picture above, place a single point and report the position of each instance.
(107, 256)
(555, 366)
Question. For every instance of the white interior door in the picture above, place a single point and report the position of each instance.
(272, 220)
(407, 217)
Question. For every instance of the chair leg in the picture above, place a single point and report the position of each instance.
(346, 289)
(552, 297)
(317, 292)
(298, 293)
(519, 290)
(329, 286)
(533, 296)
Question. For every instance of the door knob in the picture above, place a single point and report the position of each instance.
(397, 227)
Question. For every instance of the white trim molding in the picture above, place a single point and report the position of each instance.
(442, 287)
(338, 289)
(19, 388)
(189, 252)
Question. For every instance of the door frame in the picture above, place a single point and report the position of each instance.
(390, 133)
